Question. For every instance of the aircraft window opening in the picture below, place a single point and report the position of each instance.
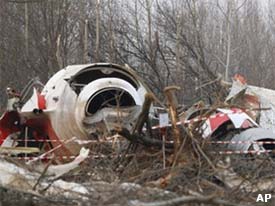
(110, 97)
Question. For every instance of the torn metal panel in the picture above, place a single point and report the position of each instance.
(109, 119)
(238, 89)
(231, 118)
(240, 95)
(267, 100)
(238, 117)
(23, 179)
(195, 110)
(37, 101)
(252, 97)
(55, 171)
(253, 135)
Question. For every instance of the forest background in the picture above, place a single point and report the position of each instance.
(187, 43)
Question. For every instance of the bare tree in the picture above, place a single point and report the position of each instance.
(187, 43)
(97, 30)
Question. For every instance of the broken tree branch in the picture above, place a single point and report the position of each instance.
(42, 175)
(143, 116)
(144, 140)
(172, 107)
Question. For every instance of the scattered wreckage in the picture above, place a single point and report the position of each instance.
(90, 101)
(244, 122)
(85, 103)
(30, 178)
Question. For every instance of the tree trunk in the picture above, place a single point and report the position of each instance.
(26, 29)
(97, 31)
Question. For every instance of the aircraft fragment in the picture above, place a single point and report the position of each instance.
(87, 101)
(245, 122)
(259, 100)
(29, 179)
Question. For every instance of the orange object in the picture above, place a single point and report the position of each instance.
(240, 78)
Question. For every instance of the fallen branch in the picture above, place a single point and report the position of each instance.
(42, 175)
(144, 140)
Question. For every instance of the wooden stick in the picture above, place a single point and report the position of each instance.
(172, 107)
(42, 175)
(143, 116)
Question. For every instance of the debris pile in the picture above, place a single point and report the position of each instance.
(94, 134)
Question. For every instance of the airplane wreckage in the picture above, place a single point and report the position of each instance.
(82, 101)
(86, 102)
(48, 125)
